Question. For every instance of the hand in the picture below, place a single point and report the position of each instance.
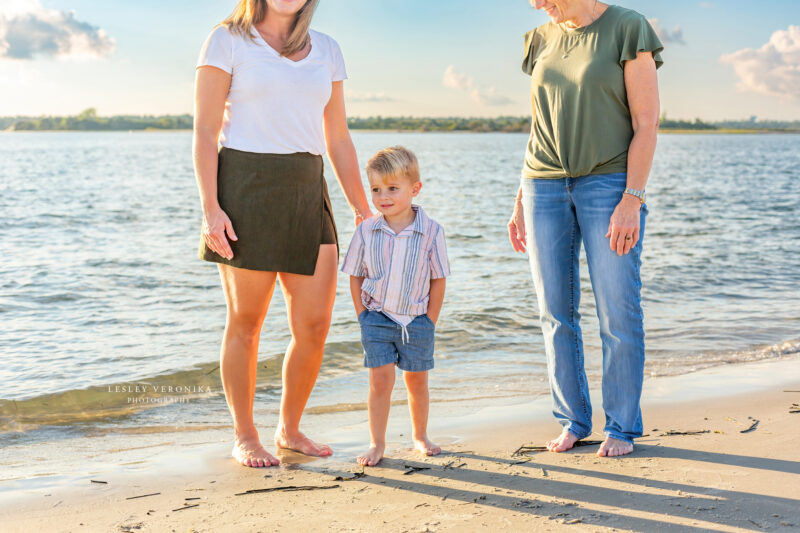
(215, 224)
(516, 227)
(361, 216)
(623, 228)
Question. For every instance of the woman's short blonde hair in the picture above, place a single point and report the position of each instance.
(248, 13)
(395, 161)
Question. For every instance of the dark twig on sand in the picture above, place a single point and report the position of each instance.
(289, 488)
(528, 460)
(98, 481)
(186, 507)
(673, 433)
(752, 427)
(522, 450)
(142, 496)
(412, 469)
(356, 475)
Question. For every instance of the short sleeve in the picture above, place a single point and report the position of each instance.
(639, 36)
(354, 259)
(530, 57)
(217, 51)
(338, 71)
(439, 265)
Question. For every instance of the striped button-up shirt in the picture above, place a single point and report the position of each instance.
(397, 267)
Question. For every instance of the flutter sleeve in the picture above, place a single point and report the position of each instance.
(530, 56)
(217, 51)
(639, 36)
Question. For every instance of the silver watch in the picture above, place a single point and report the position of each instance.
(635, 192)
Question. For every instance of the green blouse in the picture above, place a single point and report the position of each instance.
(582, 123)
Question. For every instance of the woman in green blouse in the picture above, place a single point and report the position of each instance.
(594, 93)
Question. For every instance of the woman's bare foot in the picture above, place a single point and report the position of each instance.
(426, 447)
(300, 443)
(250, 452)
(614, 447)
(373, 455)
(564, 442)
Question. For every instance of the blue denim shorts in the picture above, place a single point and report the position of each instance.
(382, 339)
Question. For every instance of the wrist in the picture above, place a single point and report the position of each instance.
(637, 194)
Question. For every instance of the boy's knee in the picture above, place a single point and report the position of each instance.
(416, 381)
(381, 379)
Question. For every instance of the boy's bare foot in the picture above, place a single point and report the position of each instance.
(564, 442)
(300, 443)
(373, 455)
(250, 452)
(426, 447)
(614, 447)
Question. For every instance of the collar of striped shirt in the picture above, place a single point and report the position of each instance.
(420, 221)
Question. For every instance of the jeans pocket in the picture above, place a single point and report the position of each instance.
(362, 314)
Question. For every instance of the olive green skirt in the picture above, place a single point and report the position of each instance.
(280, 210)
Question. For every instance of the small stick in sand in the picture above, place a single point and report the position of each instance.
(142, 496)
(672, 433)
(186, 507)
(98, 481)
(195, 498)
(289, 488)
(752, 427)
(412, 469)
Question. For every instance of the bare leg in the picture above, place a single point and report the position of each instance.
(381, 383)
(418, 403)
(309, 303)
(562, 443)
(612, 447)
(248, 294)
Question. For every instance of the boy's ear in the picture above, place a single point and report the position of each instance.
(416, 188)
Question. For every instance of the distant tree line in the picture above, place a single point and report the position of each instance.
(88, 120)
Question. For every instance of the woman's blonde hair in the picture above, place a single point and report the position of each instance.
(248, 13)
(394, 161)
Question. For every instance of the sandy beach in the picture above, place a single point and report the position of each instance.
(720, 453)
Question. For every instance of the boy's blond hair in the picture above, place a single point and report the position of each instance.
(393, 162)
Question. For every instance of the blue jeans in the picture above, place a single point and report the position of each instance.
(560, 214)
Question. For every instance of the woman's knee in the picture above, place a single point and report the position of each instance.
(311, 328)
(246, 328)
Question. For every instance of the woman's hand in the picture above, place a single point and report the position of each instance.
(516, 226)
(215, 224)
(361, 216)
(623, 228)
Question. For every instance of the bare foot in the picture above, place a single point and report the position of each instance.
(564, 442)
(373, 455)
(250, 452)
(426, 447)
(300, 443)
(614, 447)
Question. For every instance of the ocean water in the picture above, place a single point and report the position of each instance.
(101, 291)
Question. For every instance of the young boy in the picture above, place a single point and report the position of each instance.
(397, 261)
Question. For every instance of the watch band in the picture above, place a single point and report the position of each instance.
(635, 192)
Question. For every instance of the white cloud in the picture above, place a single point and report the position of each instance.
(773, 69)
(456, 80)
(357, 96)
(489, 96)
(666, 36)
(462, 82)
(28, 30)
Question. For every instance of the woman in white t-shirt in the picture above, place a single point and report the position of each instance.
(269, 91)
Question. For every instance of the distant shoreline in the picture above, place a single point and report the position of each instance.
(669, 131)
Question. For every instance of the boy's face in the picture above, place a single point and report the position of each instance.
(392, 195)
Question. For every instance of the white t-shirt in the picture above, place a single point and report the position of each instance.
(275, 105)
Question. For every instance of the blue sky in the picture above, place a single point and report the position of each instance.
(138, 57)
